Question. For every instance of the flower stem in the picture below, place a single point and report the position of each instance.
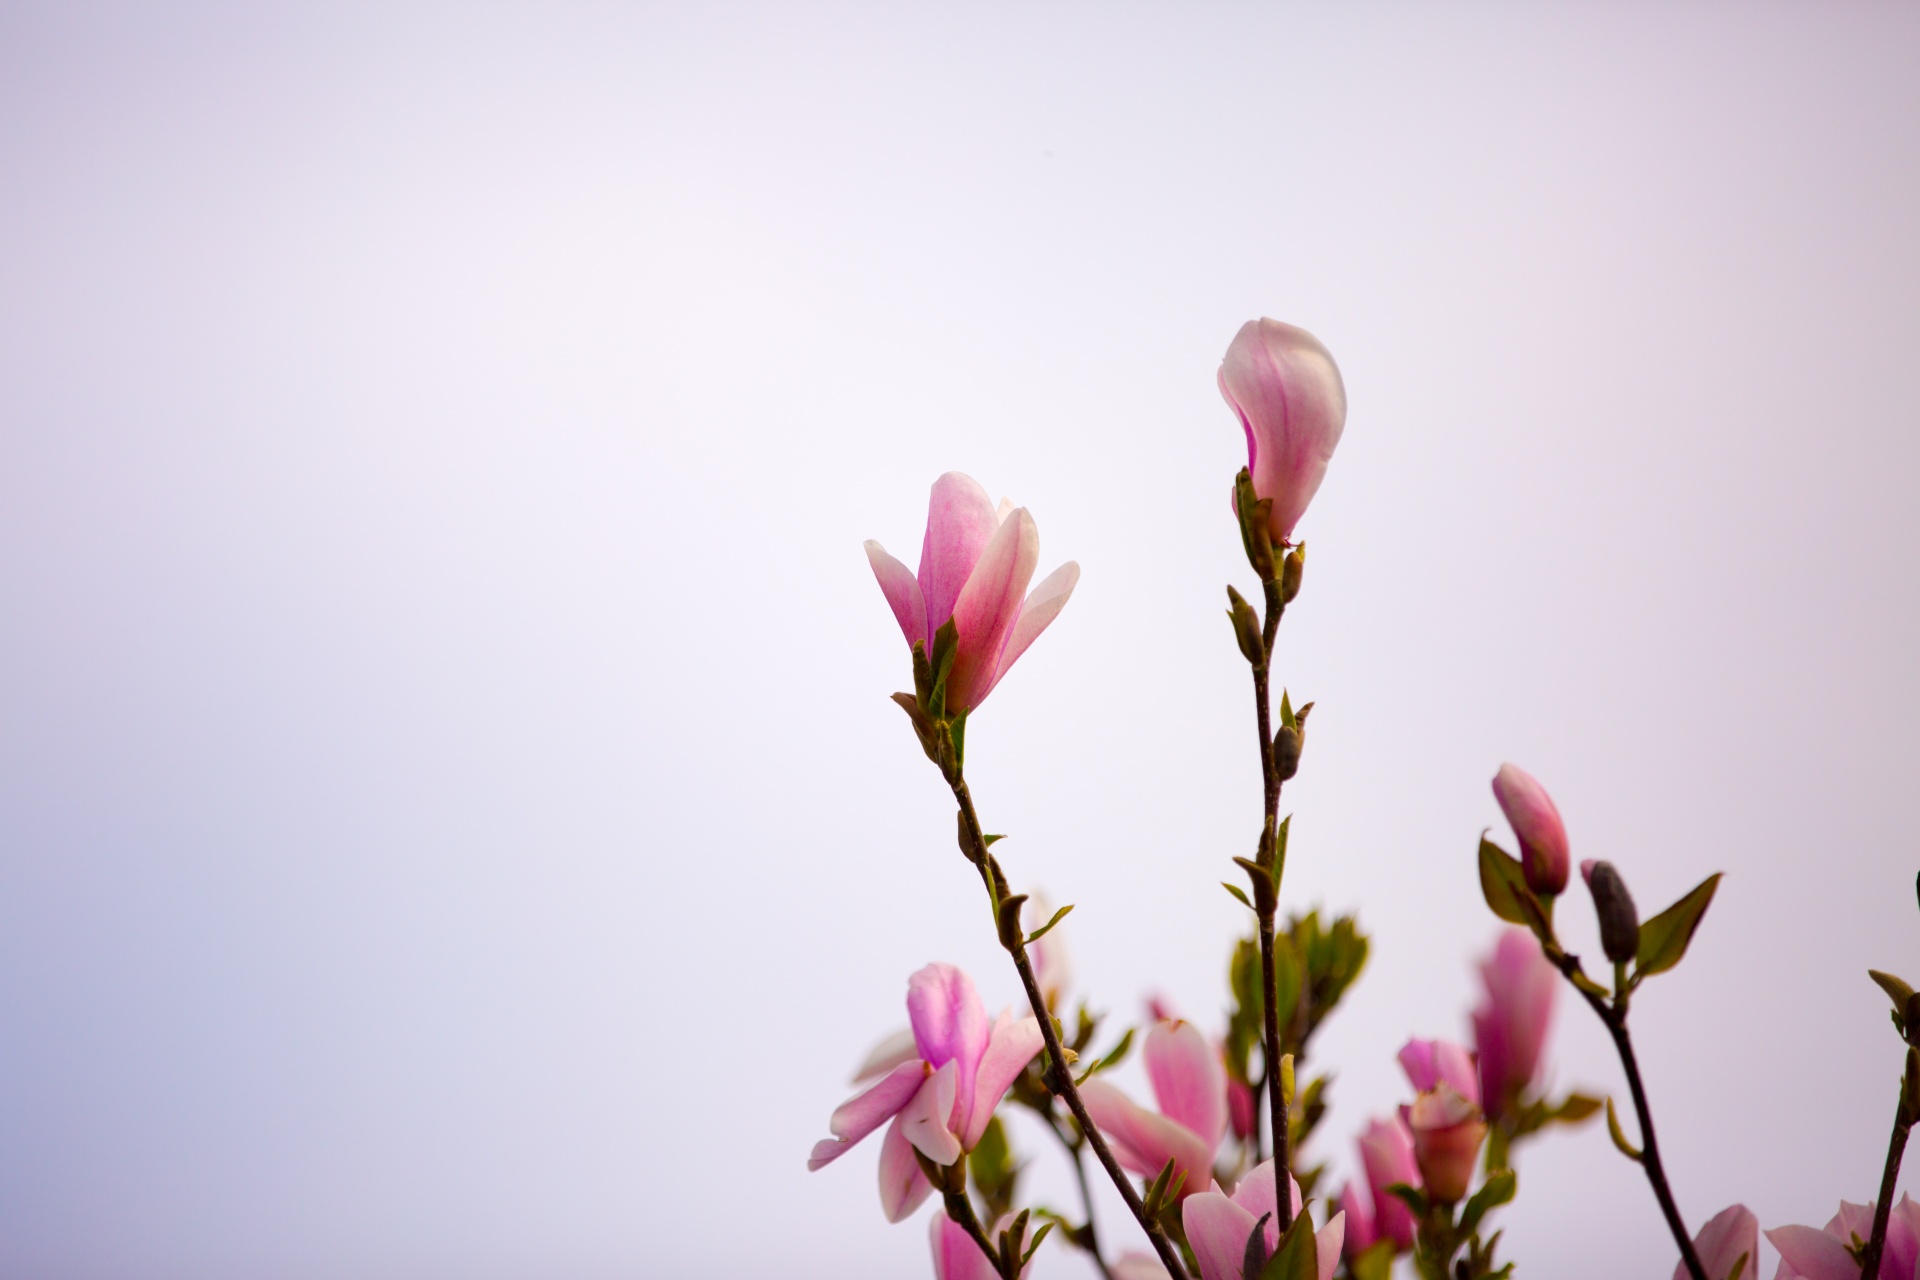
(1091, 1241)
(1614, 1015)
(1896, 1148)
(1059, 1077)
(1268, 905)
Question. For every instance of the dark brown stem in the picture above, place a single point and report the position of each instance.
(1896, 1148)
(1268, 905)
(1059, 1077)
(1614, 1015)
(960, 1209)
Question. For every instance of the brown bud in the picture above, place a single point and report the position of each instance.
(1619, 919)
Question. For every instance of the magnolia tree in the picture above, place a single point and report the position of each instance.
(1235, 1108)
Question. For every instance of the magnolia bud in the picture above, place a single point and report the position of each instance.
(1447, 1133)
(1246, 627)
(1287, 743)
(1536, 822)
(1619, 921)
(1292, 569)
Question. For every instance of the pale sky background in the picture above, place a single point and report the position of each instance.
(451, 820)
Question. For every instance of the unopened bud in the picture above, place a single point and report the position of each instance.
(1246, 627)
(1256, 516)
(1286, 751)
(1619, 920)
(1447, 1132)
(1292, 570)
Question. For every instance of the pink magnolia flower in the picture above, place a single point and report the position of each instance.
(1725, 1237)
(941, 1098)
(1386, 1152)
(1219, 1226)
(1190, 1084)
(1510, 1026)
(1358, 1209)
(1429, 1063)
(1243, 1109)
(1286, 390)
(1807, 1254)
(975, 564)
(957, 1257)
(1447, 1132)
(1536, 824)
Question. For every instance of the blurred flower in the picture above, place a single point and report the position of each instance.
(1051, 967)
(1726, 1236)
(1243, 1109)
(1536, 824)
(1219, 1227)
(1807, 1254)
(1510, 1026)
(941, 1098)
(1190, 1084)
(1431, 1062)
(1286, 390)
(975, 564)
(1447, 1132)
(1386, 1152)
(1359, 1216)
(957, 1257)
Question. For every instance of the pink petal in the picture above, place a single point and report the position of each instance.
(1043, 604)
(1431, 1062)
(1902, 1256)
(1386, 1149)
(902, 1186)
(988, 607)
(925, 1117)
(1286, 390)
(1217, 1228)
(949, 1022)
(960, 522)
(1358, 1213)
(1726, 1235)
(888, 1054)
(1188, 1079)
(1510, 1027)
(955, 1255)
(1536, 823)
(898, 584)
(1814, 1254)
(1138, 1266)
(1011, 1045)
(1326, 1245)
(1144, 1141)
(864, 1112)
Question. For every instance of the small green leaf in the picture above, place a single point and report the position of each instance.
(1376, 1263)
(1664, 939)
(990, 838)
(1296, 1258)
(1041, 932)
(1412, 1197)
(1288, 981)
(1239, 893)
(1034, 1244)
(1627, 1149)
(1575, 1108)
(1497, 1190)
(1739, 1265)
(1113, 1058)
(1500, 876)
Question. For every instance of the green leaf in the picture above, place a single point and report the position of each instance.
(1412, 1197)
(1296, 1258)
(1664, 939)
(1034, 1244)
(1041, 932)
(1497, 1190)
(1113, 1058)
(1500, 877)
(1239, 893)
(1627, 1149)
(1376, 1263)
(1739, 1265)
(1574, 1108)
(1286, 981)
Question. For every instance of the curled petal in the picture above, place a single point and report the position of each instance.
(1726, 1235)
(902, 590)
(1286, 390)
(960, 522)
(988, 606)
(902, 1186)
(1188, 1079)
(949, 1022)
(1326, 1245)
(1037, 613)
(1011, 1045)
(1813, 1254)
(1217, 1228)
(926, 1115)
(860, 1115)
(1144, 1141)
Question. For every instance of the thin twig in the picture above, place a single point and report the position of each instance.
(1896, 1147)
(1269, 905)
(1059, 1077)
(1075, 1150)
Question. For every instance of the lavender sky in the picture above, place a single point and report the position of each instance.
(451, 820)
